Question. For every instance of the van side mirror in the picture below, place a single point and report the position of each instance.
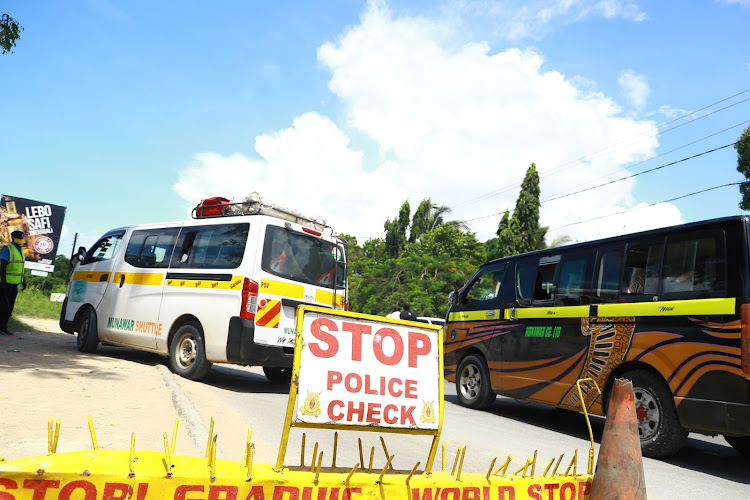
(453, 298)
(80, 254)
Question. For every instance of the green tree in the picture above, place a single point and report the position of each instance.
(743, 166)
(520, 232)
(395, 231)
(10, 32)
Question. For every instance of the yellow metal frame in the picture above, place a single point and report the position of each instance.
(293, 387)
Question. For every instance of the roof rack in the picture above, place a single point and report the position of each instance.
(211, 208)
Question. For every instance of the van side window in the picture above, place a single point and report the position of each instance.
(104, 249)
(484, 289)
(693, 266)
(526, 281)
(218, 246)
(151, 248)
(608, 273)
(572, 280)
(642, 264)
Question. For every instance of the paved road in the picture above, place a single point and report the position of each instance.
(241, 397)
(707, 467)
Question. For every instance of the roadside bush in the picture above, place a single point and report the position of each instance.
(36, 304)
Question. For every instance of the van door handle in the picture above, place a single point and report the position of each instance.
(490, 313)
(104, 277)
(122, 280)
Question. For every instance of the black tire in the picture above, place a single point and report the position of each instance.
(659, 426)
(187, 352)
(88, 334)
(473, 383)
(740, 443)
(278, 374)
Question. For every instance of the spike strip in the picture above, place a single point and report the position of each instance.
(93, 434)
(504, 467)
(314, 456)
(167, 459)
(573, 464)
(455, 462)
(558, 464)
(210, 435)
(190, 480)
(302, 452)
(335, 448)
(372, 457)
(249, 461)
(413, 470)
(489, 471)
(174, 434)
(461, 464)
(385, 469)
(317, 470)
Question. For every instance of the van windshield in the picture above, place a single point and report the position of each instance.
(301, 257)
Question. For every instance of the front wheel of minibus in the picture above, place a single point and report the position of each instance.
(88, 335)
(187, 353)
(659, 426)
(473, 383)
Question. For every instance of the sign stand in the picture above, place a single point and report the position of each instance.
(422, 341)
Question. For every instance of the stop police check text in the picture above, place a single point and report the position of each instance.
(405, 349)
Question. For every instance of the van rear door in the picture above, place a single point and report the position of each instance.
(298, 266)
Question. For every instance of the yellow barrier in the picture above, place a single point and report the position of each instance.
(92, 475)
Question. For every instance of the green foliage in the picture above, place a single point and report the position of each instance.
(35, 303)
(55, 282)
(743, 166)
(442, 260)
(520, 232)
(10, 32)
(395, 231)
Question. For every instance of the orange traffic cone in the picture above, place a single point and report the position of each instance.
(619, 468)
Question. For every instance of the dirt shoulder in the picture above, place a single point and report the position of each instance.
(43, 375)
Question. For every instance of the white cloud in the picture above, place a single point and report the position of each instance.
(534, 18)
(451, 123)
(635, 88)
(743, 3)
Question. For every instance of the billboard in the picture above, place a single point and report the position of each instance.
(40, 222)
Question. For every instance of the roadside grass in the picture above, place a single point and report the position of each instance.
(36, 304)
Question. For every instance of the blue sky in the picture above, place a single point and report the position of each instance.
(131, 112)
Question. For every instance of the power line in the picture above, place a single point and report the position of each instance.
(612, 147)
(636, 175)
(650, 205)
(612, 182)
(665, 153)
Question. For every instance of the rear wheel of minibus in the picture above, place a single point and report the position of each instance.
(187, 353)
(659, 426)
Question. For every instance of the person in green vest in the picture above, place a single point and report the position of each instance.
(11, 275)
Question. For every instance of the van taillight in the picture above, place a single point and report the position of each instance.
(249, 299)
(745, 338)
(346, 305)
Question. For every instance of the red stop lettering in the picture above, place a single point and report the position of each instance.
(320, 329)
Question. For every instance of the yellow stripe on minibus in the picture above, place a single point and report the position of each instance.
(696, 307)
(474, 315)
(91, 276)
(283, 289)
(548, 312)
(234, 284)
(139, 278)
(325, 297)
